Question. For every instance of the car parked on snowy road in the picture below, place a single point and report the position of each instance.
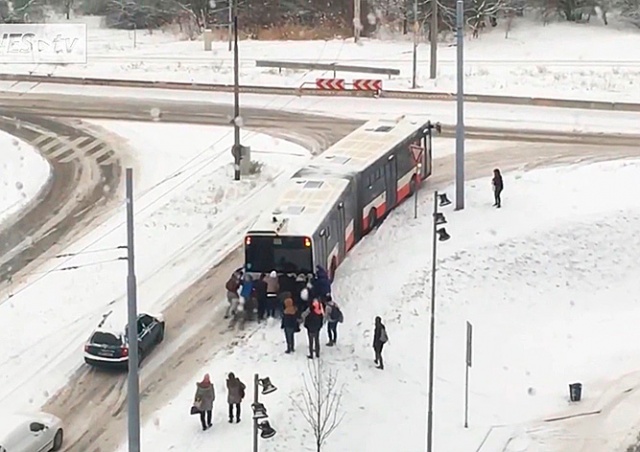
(30, 432)
(109, 347)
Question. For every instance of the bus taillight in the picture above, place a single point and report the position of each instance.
(247, 240)
(307, 242)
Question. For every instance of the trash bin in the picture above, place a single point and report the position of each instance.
(575, 392)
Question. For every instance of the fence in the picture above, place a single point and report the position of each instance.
(334, 67)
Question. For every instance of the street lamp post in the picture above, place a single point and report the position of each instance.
(260, 411)
(439, 234)
(236, 98)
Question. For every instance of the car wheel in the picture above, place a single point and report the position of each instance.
(57, 440)
(160, 334)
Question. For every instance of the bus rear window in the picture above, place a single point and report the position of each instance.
(282, 254)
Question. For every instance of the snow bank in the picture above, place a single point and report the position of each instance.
(549, 283)
(23, 174)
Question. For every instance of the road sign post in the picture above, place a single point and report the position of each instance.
(466, 376)
(417, 153)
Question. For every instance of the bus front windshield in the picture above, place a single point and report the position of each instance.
(282, 254)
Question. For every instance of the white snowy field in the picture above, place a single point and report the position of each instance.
(549, 283)
(23, 174)
(188, 214)
(586, 61)
(516, 117)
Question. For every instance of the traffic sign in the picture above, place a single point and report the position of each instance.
(330, 83)
(416, 151)
(367, 85)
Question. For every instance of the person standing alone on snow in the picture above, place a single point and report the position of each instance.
(379, 339)
(497, 187)
(290, 322)
(313, 318)
(333, 316)
(273, 286)
(203, 400)
(236, 390)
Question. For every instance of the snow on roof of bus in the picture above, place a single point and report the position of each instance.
(301, 206)
(361, 147)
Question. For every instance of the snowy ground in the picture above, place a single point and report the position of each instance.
(189, 214)
(593, 62)
(514, 117)
(23, 174)
(549, 283)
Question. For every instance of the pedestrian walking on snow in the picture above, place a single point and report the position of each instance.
(290, 323)
(236, 392)
(313, 318)
(498, 186)
(203, 400)
(379, 339)
(333, 316)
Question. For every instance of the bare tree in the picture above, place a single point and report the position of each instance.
(320, 402)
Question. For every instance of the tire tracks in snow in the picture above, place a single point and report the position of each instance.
(92, 402)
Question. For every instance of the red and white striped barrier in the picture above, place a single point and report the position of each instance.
(367, 85)
(336, 84)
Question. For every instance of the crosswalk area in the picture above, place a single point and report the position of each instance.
(65, 148)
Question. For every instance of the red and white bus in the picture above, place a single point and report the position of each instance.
(330, 204)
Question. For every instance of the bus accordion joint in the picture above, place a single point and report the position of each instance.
(307, 242)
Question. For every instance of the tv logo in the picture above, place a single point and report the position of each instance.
(43, 43)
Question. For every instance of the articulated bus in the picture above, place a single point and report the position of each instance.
(330, 204)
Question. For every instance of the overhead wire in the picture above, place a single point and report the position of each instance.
(180, 170)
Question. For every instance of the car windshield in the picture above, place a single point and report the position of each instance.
(103, 338)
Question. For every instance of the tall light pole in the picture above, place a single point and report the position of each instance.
(438, 235)
(460, 106)
(133, 383)
(416, 28)
(260, 411)
(434, 39)
(357, 26)
(236, 98)
(230, 24)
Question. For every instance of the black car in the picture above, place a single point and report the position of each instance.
(110, 348)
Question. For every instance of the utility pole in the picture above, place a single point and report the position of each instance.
(231, 24)
(357, 26)
(236, 98)
(416, 28)
(434, 39)
(460, 106)
(133, 383)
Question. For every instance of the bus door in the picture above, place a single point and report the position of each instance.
(391, 181)
(321, 257)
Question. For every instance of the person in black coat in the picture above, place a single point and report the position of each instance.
(498, 185)
(260, 290)
(313, 319)
(379, 339)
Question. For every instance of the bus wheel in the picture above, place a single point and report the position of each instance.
(412, 186)
(373, 219)
(333, 268)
